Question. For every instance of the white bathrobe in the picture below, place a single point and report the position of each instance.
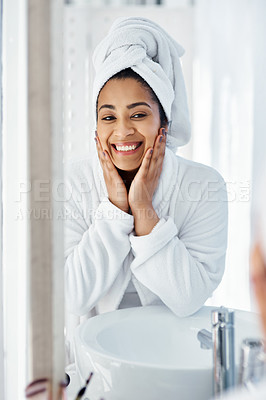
(179, 263)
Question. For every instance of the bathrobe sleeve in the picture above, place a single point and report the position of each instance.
(183, 266)
(95, 252)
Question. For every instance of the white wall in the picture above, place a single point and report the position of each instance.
(14, 174)
(259, 75)
(2, 370)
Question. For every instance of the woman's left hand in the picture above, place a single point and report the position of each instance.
(146, 180)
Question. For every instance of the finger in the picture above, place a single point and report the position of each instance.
(108, 162)
(163, 132)
(156, 163)
(99, 148)
(159, 146)
(104, 156)
(162, 139)
(144, 167)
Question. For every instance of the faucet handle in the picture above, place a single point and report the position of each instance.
(205, 339)
(252, 362)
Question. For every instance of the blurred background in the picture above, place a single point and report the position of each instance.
(223, 73)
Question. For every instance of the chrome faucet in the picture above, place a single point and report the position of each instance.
(221, 340)
(252, 366)
(223, 350)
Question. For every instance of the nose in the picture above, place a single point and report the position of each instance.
(124, 128)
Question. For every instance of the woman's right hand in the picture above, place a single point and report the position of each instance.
(117, 192)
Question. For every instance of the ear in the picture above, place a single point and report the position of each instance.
(166, 125)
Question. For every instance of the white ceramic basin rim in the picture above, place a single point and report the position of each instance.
(154, 337)
(148, 353)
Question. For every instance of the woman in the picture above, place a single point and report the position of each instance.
(144, 226)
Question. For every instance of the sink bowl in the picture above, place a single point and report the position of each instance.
(148, 353)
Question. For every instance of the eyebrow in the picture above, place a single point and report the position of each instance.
(130, 106)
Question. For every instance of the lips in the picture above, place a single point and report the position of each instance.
(126, 147)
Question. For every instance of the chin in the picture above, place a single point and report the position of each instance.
(127, 168)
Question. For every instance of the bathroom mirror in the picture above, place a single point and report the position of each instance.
(224, 70)
(219, 69)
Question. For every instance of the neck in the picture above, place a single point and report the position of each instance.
(127, 176)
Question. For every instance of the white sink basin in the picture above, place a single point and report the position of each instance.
(148, 353)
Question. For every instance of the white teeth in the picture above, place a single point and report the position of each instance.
(126, 148)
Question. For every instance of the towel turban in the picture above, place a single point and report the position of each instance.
(144, 46)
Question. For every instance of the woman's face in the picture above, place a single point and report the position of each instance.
(128, 122)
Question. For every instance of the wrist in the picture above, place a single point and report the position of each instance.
(141, 208)
(145, 219)
(122, 207)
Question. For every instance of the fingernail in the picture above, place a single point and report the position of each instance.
(163, 131)
(95, 140)
(151, 151)
(161, 138)
(96, 134)
(104, 153)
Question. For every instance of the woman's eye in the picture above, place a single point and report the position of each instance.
(108, 118)
(139, 115)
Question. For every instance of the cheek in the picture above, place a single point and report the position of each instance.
(151, 135)
(103, 136)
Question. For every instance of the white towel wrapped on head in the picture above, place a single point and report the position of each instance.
(145, 47)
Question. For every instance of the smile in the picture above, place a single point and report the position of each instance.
(126, 148)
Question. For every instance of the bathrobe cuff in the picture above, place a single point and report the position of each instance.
(108, 211)
(158, 225)
(147, 245)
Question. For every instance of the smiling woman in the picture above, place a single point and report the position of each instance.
(129, 124)
(144, 226)
(134, 120)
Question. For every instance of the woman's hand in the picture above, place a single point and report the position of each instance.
(144, 185)
(117, 192)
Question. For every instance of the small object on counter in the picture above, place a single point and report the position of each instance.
(67, 379)
(252, 363)
(39, 389)
(83, 389)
